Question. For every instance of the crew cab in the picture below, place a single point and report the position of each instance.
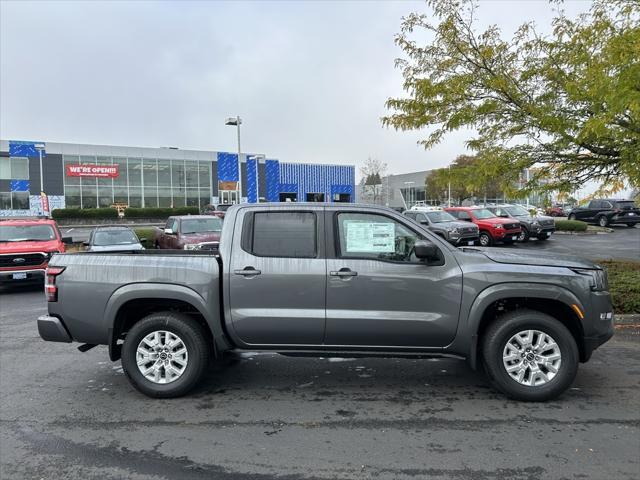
(533, 225)
(26, 245)
(607, 211)
(332, 280)
(444, 224)
(493, 229)
(189, 232)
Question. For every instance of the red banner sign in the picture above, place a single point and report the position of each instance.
(44, 202)
(103, 171)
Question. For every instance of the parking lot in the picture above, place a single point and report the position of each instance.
(74, 415)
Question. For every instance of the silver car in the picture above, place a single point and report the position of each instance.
(113, 239)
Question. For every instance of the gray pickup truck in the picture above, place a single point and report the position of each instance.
(332, 280)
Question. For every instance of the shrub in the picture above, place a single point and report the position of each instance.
(146, 233)
(571, 225)
(84, 213)
(159, 212)
(624, 285)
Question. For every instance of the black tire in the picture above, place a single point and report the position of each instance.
(524, 235)
(631, 225)
(196, 342)
(571, 217)
(603, 221)
(157, 245)
(485, 239)
(495, 340)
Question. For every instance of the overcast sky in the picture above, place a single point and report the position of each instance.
(309, 79)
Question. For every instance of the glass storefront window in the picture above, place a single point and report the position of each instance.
(164, 196)
(164, 173)
(71, 160)
(135, 197)
(120, 195)
(5, 168)
(191, 173)
(20, 200)
(19, 168)
(178, 198)
(204, 172)
(135, 172)
(72, 197)
(205, 197)
(192, 197)
(89, 196)
(5, 200)
(121, 179)
(177, 173)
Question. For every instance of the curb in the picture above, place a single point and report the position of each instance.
(563, 232)
(627, 319)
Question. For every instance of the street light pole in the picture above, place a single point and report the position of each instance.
(237, 121)
(449, 201)
(40, 148)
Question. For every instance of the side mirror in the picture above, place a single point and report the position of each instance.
(67, 240)
(424, 222)
(168, 231)
(425, 249)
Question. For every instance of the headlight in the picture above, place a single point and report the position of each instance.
(598, 281)
(191, 246)
(497, 225)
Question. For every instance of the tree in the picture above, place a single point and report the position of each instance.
(568, 103)
(372, 172)
(467, 180)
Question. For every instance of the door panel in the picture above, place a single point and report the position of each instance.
(391, 303)
(277, 300)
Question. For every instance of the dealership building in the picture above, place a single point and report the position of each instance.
(96, 176)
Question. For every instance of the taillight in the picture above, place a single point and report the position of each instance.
(50, 287)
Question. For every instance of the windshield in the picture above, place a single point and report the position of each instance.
(439, 217)
(114, 237)
(482, 213)
(516, 210)
(22, 233)
(201, 225)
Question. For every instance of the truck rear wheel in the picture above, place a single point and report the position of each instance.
(165, 354)
(530, 356)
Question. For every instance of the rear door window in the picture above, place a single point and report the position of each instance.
(282, 234)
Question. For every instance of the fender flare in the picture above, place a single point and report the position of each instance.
(504, 291)
(164, 291)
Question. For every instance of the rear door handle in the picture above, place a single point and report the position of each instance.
(247, 272)
(343, 272)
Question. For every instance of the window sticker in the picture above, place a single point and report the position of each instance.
(370, 237)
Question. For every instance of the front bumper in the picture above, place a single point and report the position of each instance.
(542, 232)
(52, 329)
(23, 275)
(464, 241)
(598, 323)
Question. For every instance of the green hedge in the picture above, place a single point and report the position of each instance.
(571, 225)
(624, 285)
(146, 233)
(159, 212)
(62, 213)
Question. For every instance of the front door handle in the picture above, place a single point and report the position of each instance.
(247, 272)
(343, 272)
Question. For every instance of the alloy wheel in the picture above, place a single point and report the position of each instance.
(162, 357)
(532, 358)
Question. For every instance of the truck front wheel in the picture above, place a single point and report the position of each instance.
(165, 354)
(529, 355)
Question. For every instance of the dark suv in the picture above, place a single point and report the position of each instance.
(533, 226)
(606, 211)
(446, 225)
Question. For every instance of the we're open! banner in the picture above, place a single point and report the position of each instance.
(102, 171)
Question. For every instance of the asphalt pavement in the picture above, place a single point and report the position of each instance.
(66, 414)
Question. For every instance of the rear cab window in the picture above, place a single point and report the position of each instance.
(281, 234)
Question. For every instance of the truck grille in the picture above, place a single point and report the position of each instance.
(511, 226)
(22, 260)
(469, 230)
(547, 223)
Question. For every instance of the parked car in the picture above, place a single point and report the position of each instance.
(445, 225)
(332, 280)
(189, 232)
(113, 239)
(217, 210)
(558, 210)
(607, 211)
(533, 226)
(26, 246)
(493, 229)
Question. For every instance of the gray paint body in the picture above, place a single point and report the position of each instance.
(295, 305)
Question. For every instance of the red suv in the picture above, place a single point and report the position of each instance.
(26, 245)
(492, 228)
